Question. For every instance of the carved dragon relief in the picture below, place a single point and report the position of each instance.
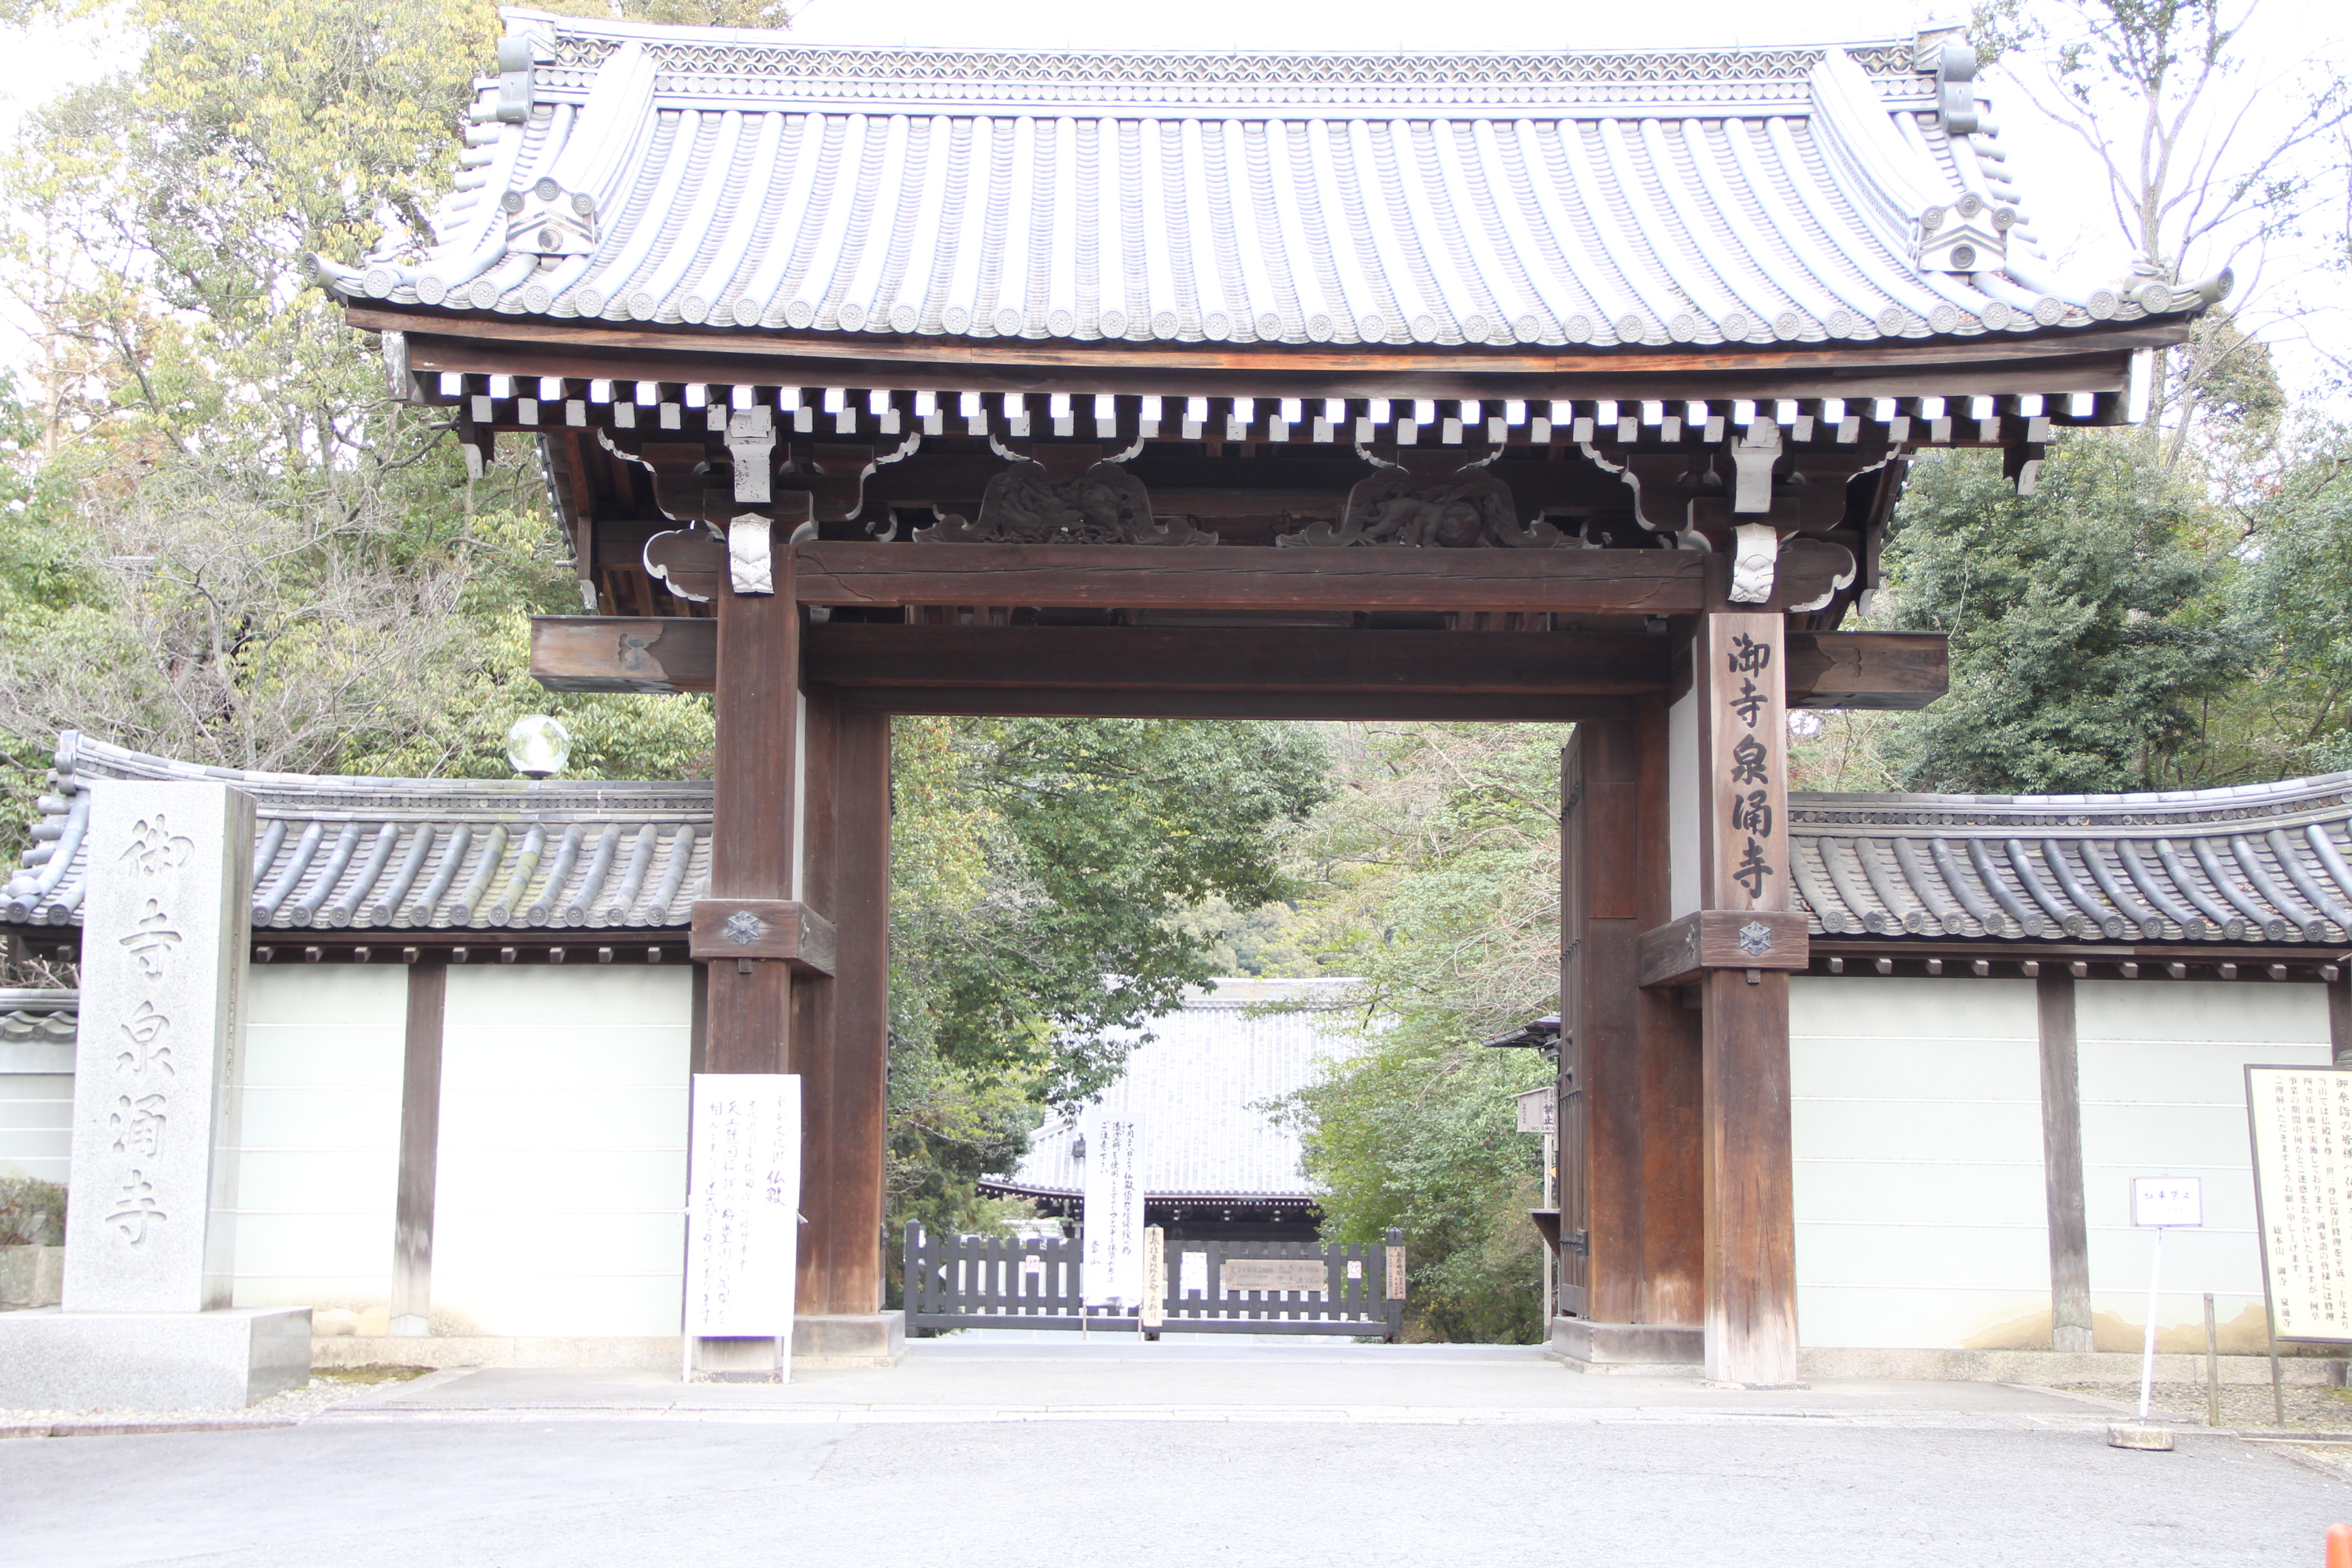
(1065, 494)
(1431, 500)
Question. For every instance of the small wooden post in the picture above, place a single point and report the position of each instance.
(420, 1147)
(2061, 1165)
(1739, 674)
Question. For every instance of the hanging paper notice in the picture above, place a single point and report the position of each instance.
(1112, 1226)
(2302, 1123)
(743, 1182)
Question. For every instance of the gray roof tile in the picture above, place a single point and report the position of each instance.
(738, 179)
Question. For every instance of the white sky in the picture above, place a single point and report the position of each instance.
(2287, 41)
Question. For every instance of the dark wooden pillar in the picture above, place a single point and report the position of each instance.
(813, 1051)
(845, 1061)
(1739, 681)
(1629, 1078)
(420, 1146)
(2062, 1166)
(748, 1025)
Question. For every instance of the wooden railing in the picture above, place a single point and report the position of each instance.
(1212, 1286)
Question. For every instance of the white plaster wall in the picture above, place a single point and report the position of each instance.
(2163, 1094)
(36, 1123)
(1683, 795)
(319, 1150)
(1917, 1117)
(563, 1169)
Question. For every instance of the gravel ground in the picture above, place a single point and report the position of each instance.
(324, 1389)
(2244, 1407)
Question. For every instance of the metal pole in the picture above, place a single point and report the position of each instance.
(2147, 1349)
(2278, 1398)
(2212, 1367)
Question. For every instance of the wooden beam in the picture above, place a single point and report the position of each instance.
(1681, 952)
(1136, 577)
(2061, 1165)
(624, 653)
(1888, 671)
(2086, 360)
(651, 653)
(780, 929)
(420, 1147)
(1077, 702)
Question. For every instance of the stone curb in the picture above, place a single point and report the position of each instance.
(132, 1428)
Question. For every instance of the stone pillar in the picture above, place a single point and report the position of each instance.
(152, 1188)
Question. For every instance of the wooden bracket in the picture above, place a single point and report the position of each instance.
(1682, 950)
(763, 928)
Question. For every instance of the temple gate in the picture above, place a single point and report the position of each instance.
(1530, 387)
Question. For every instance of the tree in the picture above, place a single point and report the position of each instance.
(2084, 636)
(2203, 172)
(1437, 873)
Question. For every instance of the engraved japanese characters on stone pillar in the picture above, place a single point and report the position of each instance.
(166, 926)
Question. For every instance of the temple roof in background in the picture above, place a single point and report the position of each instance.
(2251, 863)
(1203, 1088)
(623, 173)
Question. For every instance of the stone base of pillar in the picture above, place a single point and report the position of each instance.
(736, 1361)
(1650, 1350)
(152, 1361)
(849, 1340)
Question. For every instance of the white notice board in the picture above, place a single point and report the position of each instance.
(1112, 1226)
(2301, 1118)
(743, 1201)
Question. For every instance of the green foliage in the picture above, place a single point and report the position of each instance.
(1040, 916)
(32, 1212)
(2084, 640)
(1437, 873)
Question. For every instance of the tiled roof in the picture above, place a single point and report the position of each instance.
(408, 854)
(1199, 1088)
(2251, 863)
(38, 1017)
(626, 173)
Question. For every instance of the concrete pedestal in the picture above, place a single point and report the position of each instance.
(849, 1340)
(1657, 1350)
(224, 1360)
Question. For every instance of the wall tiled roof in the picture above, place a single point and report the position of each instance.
(626, 172)
(408, 854)
(2248, 863)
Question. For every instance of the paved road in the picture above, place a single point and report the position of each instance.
(547, 1472)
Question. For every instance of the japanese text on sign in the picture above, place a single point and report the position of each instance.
(1749, 763)
(2301, 1118)
(1112, 1224)
(743, 1182)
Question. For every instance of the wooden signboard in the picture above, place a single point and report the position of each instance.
(1276, 1274)
(744, 1197)
(2300, 1121)
(1538, 1108)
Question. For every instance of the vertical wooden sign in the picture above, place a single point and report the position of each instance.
(2301, 1122)
(1744, 739)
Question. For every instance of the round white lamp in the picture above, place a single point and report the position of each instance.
(538, 746)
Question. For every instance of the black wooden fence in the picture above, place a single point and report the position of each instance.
(1214, 1286)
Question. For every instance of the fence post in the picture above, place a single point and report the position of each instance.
(1396, 1286)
